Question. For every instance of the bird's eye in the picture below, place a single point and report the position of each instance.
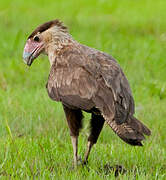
(36, 38)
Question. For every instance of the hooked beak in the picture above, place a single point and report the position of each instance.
(31, 51)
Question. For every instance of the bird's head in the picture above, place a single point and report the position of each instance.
(43, 39)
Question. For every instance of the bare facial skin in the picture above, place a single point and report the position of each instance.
(32, 50)
(47, 38)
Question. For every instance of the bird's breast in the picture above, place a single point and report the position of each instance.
(72, 85)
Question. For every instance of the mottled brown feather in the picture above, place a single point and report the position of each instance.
(85, 78)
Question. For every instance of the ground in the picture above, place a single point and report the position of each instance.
(34, 137)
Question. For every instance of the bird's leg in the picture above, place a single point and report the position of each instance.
(97, 122)
(74, 140)
(74, 119)
(89, 146)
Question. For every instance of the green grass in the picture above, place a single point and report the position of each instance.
(34, 137)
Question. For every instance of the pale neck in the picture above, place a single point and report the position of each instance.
(56, 47)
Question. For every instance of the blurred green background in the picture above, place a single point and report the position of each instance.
(34, 137)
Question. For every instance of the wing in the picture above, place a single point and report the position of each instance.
(101, 65)
(114, 97)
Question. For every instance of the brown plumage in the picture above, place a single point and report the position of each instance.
(83, 78)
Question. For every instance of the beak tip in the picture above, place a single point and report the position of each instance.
(26, 56)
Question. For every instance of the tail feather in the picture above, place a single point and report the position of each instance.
(139, 126)
(132, 131)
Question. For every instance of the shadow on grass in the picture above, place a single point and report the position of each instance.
(106, 170)
(116, 169)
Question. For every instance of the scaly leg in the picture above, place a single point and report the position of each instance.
(97, 122)
(89, 146)
(74, 119)
(74, 140)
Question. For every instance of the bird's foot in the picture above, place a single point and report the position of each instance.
(85, 162)
(80, 162)
(77, 162)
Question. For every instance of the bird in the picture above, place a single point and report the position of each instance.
(85, 79)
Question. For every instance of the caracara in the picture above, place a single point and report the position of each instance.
(85, 79)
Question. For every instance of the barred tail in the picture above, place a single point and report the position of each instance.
(132, 131)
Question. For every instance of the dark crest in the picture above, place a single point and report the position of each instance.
(48, 25)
